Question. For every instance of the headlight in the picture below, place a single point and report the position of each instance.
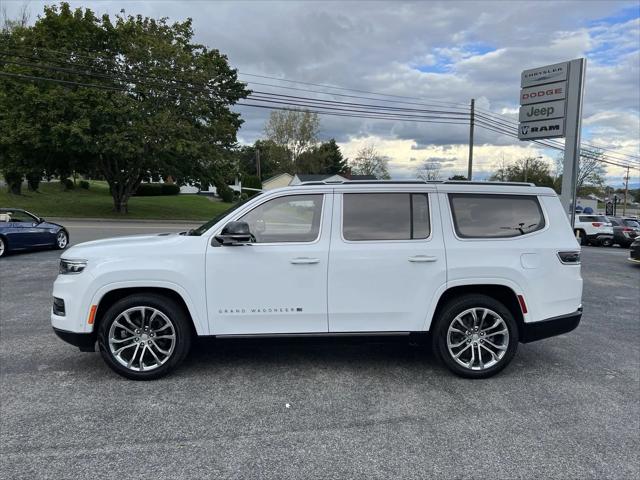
(72, 266)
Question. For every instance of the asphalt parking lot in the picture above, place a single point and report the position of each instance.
(567, 407)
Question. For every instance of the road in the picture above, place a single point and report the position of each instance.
(567, 407)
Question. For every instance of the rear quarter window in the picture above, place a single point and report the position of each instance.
(495, 216)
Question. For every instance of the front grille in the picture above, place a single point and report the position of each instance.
(58, 307)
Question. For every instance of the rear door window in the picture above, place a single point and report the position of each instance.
(385, 216)
(495, 216)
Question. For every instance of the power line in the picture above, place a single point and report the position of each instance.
(285, 102)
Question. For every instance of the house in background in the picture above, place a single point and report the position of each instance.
(277, 181)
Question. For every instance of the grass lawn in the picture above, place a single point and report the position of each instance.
(96, 202)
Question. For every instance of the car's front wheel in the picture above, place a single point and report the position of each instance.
(3, 247)
(62, 240)
(144, 336)
(475, 336)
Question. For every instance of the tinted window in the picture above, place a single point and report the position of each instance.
(593, 218)
(495, 216)
(385, 216)
(631, 223)
(614, 222)
(294, 218)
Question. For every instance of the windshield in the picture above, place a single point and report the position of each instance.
(206, 226)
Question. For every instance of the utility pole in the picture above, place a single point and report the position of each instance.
(471, 121)
(258, 172)
(626, 191)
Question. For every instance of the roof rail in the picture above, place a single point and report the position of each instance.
(415, 182)
(471, 182)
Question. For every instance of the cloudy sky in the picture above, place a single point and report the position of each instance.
(440, 52)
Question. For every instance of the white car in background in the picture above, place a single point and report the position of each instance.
(594, 230)
(479, 267)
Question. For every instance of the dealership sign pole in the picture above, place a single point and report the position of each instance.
(551, 107)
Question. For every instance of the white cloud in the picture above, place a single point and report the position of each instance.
(467, 49)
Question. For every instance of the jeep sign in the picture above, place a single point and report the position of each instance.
(541, 111)
(543, 93)
(543, 129)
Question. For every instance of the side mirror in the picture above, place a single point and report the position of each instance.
(234, 233)
(40, 220)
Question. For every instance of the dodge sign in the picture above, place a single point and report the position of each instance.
(543, 93)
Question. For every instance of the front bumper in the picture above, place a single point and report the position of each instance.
(550, 327)
(86, 342)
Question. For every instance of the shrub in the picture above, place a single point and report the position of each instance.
(157, 189)
(14, 181)
(33, 180)
(251, 181)
(84, 184)
(67, 184)
(170, 189)
(226, 194)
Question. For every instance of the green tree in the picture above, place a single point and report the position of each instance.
(294, 130)
(324, 158)
(274, 159)
(152, 103)
(528, 169)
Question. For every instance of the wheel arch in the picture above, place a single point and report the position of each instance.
(500, 292)
(118, 293)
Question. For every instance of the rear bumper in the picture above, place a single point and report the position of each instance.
(600, 237)
(550, 327)
(86, 342)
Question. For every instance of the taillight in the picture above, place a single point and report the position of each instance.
(570, 258)
(627, 229)
(596, 224)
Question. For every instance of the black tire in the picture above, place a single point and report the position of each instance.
(448, 315)
(180, 323)
(606, 243)
(4, 247)
(57, 245)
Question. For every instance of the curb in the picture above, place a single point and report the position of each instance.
(123, 220)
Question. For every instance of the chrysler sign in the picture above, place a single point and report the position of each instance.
(548, 74)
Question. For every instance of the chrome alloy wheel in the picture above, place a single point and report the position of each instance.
(61, 240)
(142, 338)
(478, 338)
(2, 247)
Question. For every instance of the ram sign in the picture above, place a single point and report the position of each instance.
(544, 129)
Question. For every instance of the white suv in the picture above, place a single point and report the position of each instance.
(477, 266)
(595, 229)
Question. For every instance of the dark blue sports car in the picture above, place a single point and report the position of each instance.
(21, 230)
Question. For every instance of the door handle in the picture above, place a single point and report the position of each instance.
(304, 261)
(422, 259)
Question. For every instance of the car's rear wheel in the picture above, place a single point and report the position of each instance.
(3, 247)
(582, 237)
(62, 240)
(144, 336)
(475, 336)
(607, 242)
